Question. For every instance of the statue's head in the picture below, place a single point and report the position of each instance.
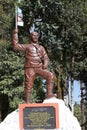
(34, 37)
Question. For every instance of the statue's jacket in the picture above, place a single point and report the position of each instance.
(35, 54)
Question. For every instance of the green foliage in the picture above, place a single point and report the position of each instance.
(39, 88)
(12, 75)
(77, 111)
(6, 18)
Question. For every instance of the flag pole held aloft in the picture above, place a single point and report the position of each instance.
(18, 17)
(15, 16)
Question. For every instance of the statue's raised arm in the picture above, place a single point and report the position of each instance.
(15, 41)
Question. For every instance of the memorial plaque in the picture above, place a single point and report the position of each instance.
(38, 116)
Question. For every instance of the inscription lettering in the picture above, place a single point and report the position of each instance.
(39, 118)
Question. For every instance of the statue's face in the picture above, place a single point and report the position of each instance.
(34, 37)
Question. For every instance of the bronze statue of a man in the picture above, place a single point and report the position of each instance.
(36, 63)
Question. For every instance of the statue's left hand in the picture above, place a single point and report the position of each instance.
(15, 30)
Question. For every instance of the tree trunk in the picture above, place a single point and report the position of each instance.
(0, 107)
(59, 89)
(72, 95)
(83, 119)
(72, 85)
